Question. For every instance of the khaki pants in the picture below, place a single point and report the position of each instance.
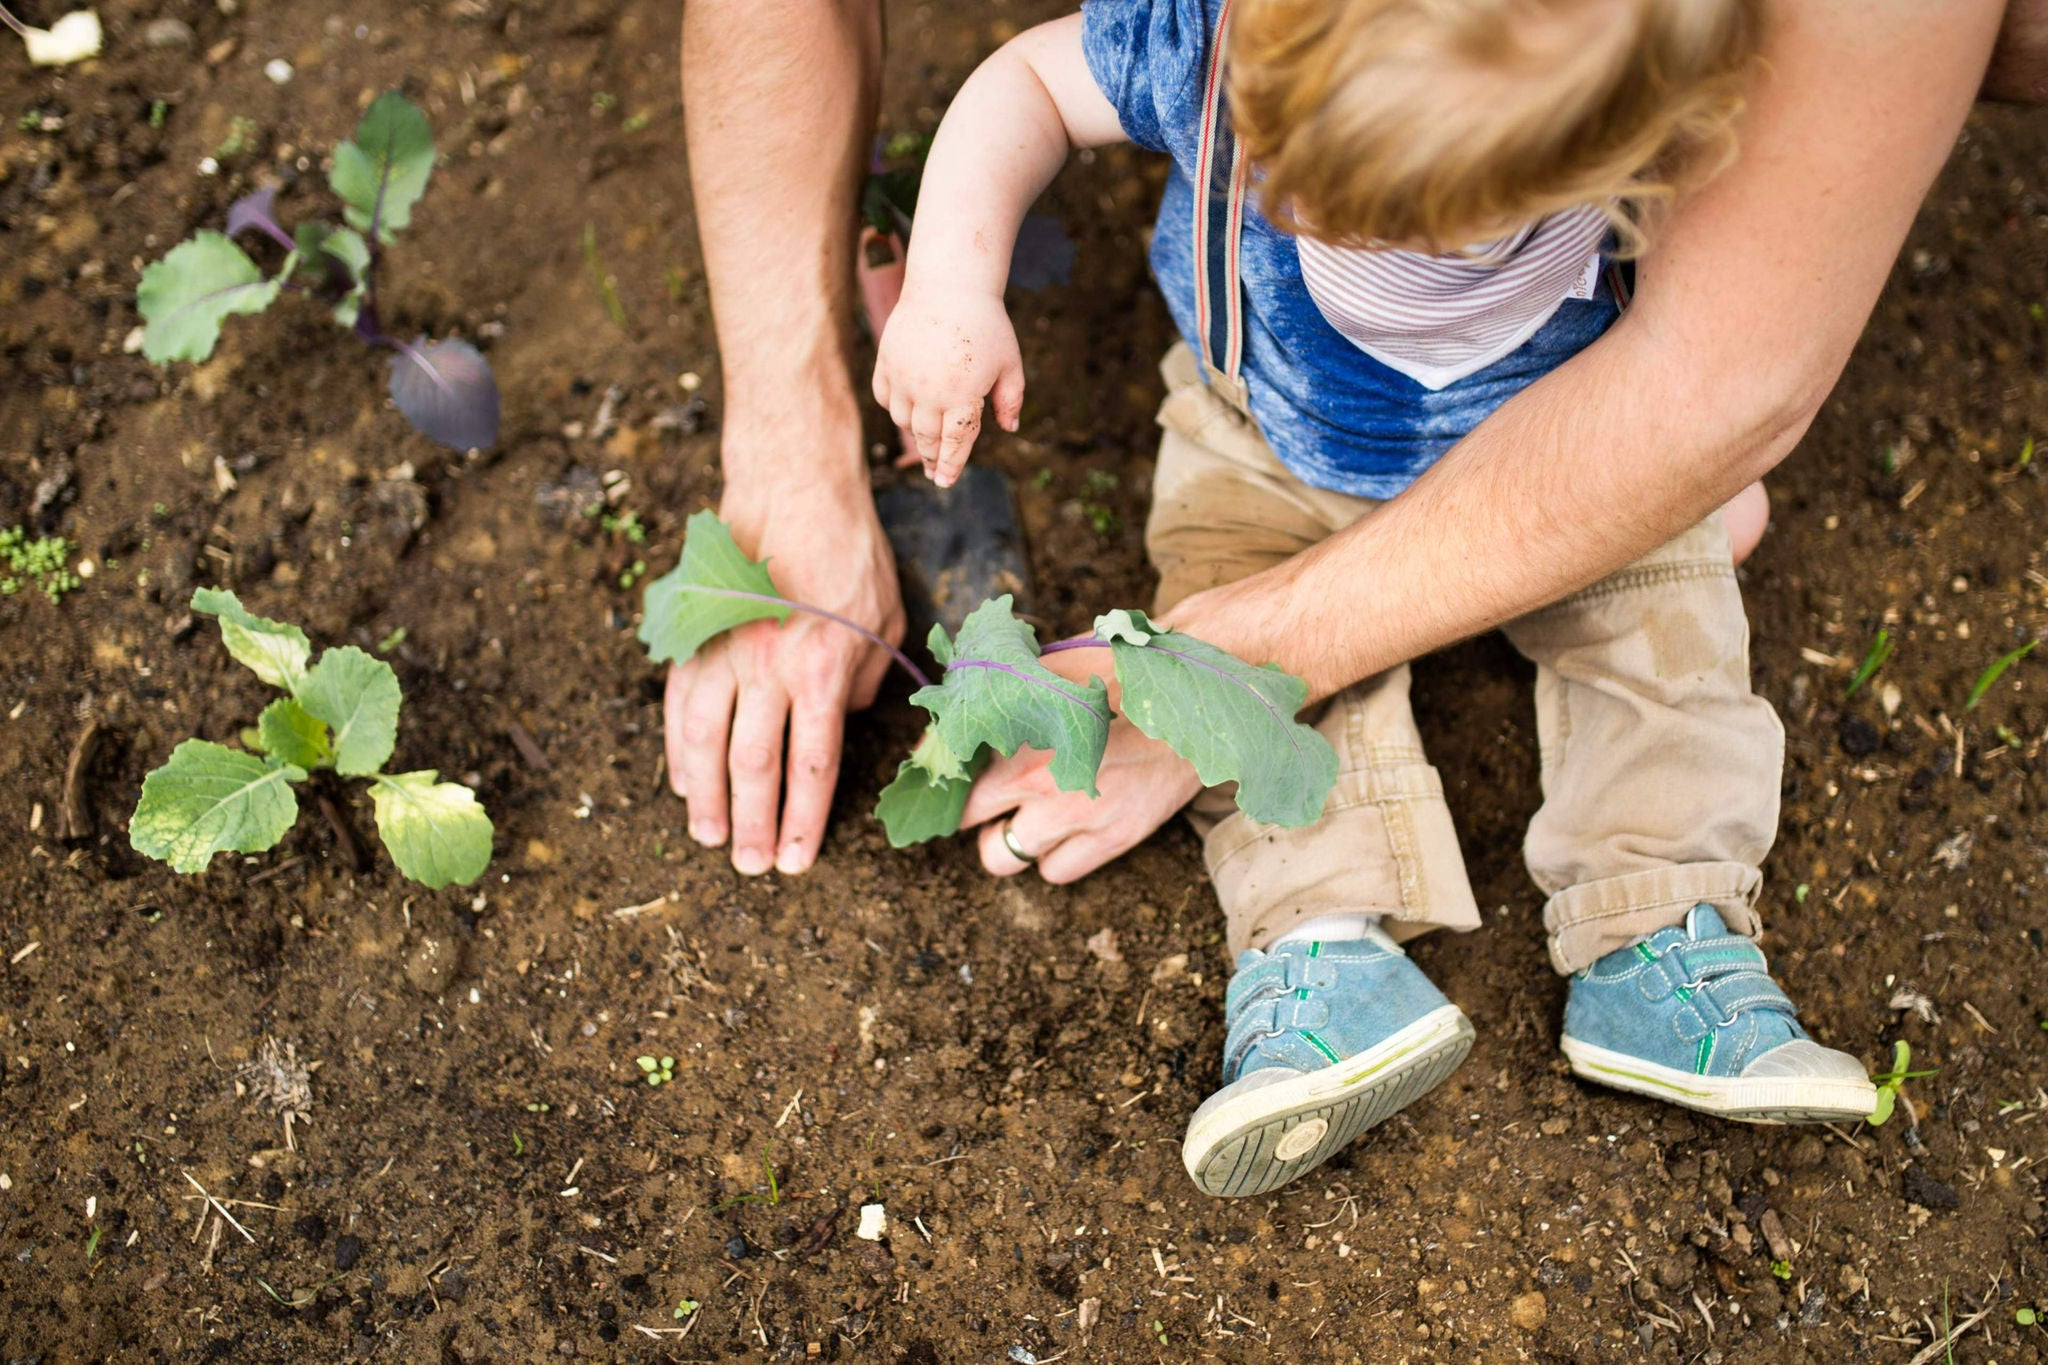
(1660, 766)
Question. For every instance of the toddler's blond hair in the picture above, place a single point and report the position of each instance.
(1441, 123)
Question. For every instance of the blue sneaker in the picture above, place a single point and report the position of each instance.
(1691, 1015)
(1326, 1039)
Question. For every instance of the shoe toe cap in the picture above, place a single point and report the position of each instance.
(1804, 1059)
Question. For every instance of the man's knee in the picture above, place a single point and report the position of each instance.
(2019, 64)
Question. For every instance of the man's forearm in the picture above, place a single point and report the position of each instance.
(779, 98)
(1561, 487)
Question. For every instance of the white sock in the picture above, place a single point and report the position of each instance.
(1331, 928)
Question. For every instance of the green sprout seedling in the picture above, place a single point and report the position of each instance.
(42, 563)
(1782, 1269)
(2026, 1317)
(658, 1070)
(1874, 659)
(774, 1195)
(340, 713)
(1990, 676)
(1891, 1083)
(687, 1307)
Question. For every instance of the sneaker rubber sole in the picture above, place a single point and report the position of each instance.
(1265, 1138)
(1764, 1099)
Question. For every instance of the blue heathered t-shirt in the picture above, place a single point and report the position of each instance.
(1336, 417)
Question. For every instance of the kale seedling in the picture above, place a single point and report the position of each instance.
(1890, 1084)
(1233, 721)
(42, 563)
(444, 388)
(658, 1070)
(339, 713)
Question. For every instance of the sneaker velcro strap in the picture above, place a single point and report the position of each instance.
(1313, 973)
(1299, 1013)
(1715, 1005)
(1711, 957)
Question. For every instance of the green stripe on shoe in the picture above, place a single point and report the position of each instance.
(1319, 1045)
(1699, 1062)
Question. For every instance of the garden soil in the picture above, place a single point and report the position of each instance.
(479, 1170)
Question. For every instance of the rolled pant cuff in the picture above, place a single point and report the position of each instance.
(1592, 919)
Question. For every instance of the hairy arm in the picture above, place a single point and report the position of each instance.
(1745, 313)
(950, 343)
(779, 99)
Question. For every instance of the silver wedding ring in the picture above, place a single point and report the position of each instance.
(1010, 842)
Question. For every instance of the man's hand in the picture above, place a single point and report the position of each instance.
(1069, 834)
(728, 708)
(941, 355)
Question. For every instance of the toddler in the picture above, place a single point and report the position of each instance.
(1384, 219)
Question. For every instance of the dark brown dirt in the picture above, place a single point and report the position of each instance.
(483, 1175)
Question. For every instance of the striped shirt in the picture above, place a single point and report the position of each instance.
(1439, 318)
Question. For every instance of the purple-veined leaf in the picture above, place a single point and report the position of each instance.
(258, 210)
(185, 297)
(995, 692)
(1044, 254)
(382, 174)
(1234, 721)
(446, 391)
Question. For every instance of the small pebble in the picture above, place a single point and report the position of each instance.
(874, 1223)
(279, 70)
(167, 32)
(1529, 1311)
(347, 1251)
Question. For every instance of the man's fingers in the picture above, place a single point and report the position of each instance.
(956, 443)
(1008, 397)
(756, 769)
(674, 694)
(996, 854)
(705, 721)
(816, 725)
(1003, 785)
(1075, 858)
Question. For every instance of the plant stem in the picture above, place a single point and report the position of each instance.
(13, 23)
(856, 627)
(1074, 642)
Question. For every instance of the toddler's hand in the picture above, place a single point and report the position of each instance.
(937, 360)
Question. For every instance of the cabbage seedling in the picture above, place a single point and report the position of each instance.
(444, 388)
(1234, 721)
(340, 712)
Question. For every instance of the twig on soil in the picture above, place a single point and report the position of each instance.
(220, 1208)
(272, 873)
(791, 1107)
(1941, 1344)
(658, 903)
(75, 820)
(536, 757)
(22, 956)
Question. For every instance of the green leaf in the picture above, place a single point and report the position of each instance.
(995, 692)
(917, 805)
(210, 799)
(1131, 627)
(1990, 676)
(713, 588)
(339, 258)
(1233, 721)
(1886, 1098)
(436, 831)
(185, 297)
(274, 651)
(383, 173)
(284, 729)
(357, 694)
